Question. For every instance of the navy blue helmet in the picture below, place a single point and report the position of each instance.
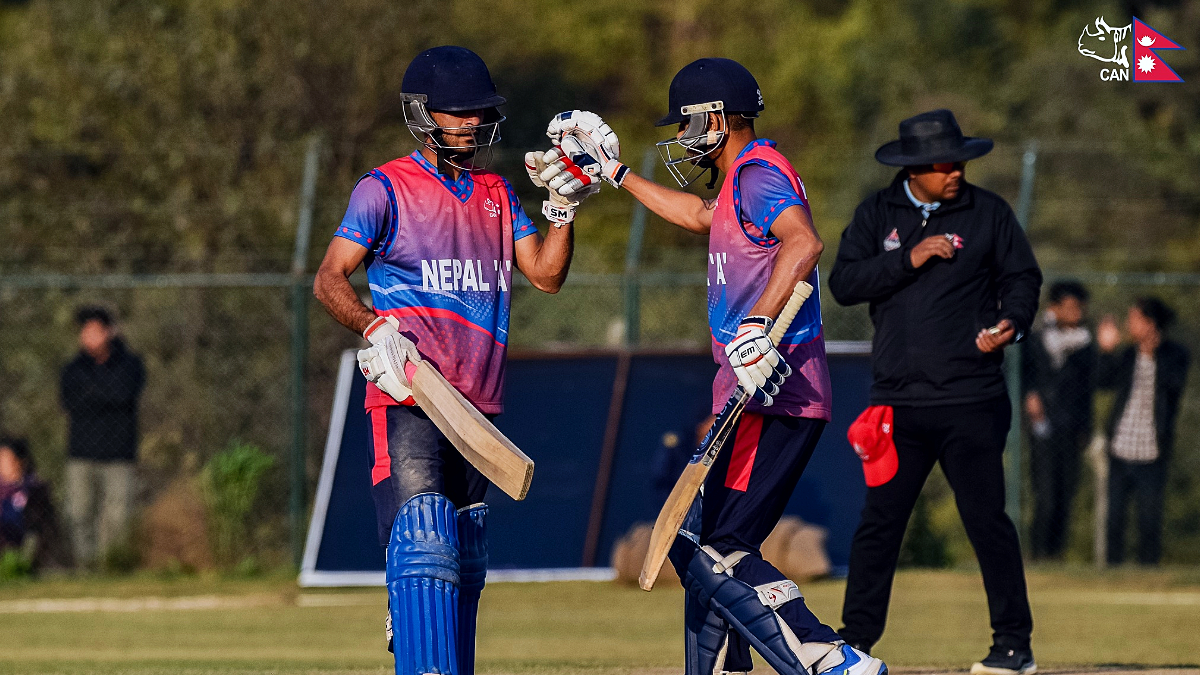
(451, 79)
(708, 80)
(720, 86)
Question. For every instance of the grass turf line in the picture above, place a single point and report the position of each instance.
(938, 620)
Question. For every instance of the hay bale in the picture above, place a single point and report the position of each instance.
(795, 547)
(175, 529)
(630, 551)
(806, 557)
(775, 549)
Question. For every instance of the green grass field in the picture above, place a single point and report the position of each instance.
(1084, 620)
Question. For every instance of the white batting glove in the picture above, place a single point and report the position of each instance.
(590, 159)
(759, 367)
(571, 171)
(558, 209)
(383, 362)
(583, 122)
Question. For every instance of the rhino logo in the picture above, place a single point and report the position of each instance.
(1102, 42)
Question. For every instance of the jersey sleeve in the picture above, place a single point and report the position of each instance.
(521, 223)
(764, 194)
(367, 216)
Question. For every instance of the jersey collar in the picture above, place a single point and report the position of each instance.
(461, 188)
(758, 142)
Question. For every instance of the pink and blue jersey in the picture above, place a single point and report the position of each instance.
(760, 185)
(440, 260)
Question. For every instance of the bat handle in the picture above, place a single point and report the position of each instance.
(799, 295)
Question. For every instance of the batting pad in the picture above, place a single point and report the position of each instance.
(741, 606)
(422, 581)
(473, 562)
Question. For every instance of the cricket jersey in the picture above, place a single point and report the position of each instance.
(440, 261)
(741, 257)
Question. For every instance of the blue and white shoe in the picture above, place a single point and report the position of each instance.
(853, 662)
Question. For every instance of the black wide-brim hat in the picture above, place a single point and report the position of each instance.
(932, 138)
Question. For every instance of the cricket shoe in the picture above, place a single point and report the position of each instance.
(1006, 661)
(853, 662)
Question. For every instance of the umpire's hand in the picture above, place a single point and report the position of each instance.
(936, 246)
(989, 341)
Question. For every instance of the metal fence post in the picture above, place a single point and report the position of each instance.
(300, 291)
(630, 284)
(1012, 362)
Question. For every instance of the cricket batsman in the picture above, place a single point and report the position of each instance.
(438, 234)
(761, 243)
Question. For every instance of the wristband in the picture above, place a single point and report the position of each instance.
(557, 214)
(373, 326)
(764, 322)
(616, 175)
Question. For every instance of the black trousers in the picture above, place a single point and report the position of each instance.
(968, 441)
(1146, 483)
(410, 456)
(1054, 470)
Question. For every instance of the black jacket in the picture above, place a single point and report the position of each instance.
(926, 319)
(1170, 374)
(101, 400)
(26, 508)
(1066, 392)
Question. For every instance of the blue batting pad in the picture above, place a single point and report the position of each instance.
(422, 581)
(704, 636)
(739, 605)
(473, 561)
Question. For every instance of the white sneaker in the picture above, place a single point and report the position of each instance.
(853, 662)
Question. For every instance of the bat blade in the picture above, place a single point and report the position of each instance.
(472, 434)
(670, 518)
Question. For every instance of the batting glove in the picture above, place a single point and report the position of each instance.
(558, 209)
(383, 362)
(596, 138)
(586, 123)
(759, 367)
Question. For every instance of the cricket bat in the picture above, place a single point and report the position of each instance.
(670, 518)
(475, 437)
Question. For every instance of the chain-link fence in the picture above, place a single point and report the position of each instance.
(203, 373)
(217, 360)
(235, 389)
(117, 428)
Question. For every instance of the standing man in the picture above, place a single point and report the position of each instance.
(1148, 377)
(761, 243)
(99, 390)
(951, 279)
(438, 234)
(1057, 376)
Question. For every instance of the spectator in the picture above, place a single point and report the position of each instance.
(1148, 377)
(28, 522)
(1057, 375)
(100, 390)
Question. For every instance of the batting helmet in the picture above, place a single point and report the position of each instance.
(720, 86)
(451, 79)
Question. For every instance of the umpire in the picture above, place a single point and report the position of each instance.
(950, 280)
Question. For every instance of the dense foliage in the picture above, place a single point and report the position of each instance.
(141, 136)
